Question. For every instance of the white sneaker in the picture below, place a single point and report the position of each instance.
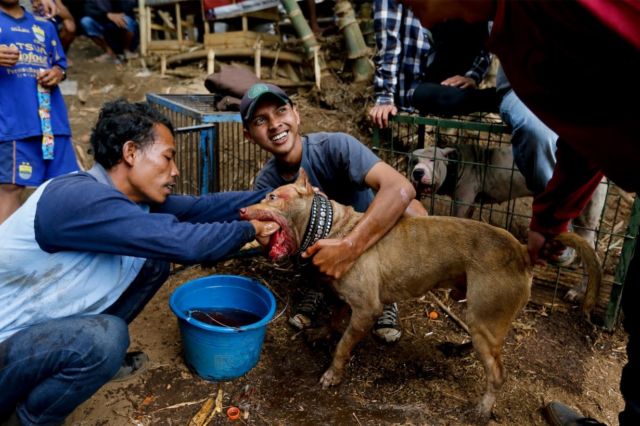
(387, 328)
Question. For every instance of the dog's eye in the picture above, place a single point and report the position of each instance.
(272, 197)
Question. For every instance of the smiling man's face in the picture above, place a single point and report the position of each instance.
(274, 126)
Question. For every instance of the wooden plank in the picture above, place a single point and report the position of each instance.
(167, 19)
(169, 45)
(239, 39)
(246, 52)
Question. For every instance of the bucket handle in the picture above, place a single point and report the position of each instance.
(238, 329)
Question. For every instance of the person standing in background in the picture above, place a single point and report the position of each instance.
(35, 136)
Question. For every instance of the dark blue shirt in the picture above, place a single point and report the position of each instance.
(76, 212)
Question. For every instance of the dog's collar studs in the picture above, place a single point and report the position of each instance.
(320, 221)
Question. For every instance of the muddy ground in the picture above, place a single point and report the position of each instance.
(425, 379)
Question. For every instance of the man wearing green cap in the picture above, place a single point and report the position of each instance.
(346, 171)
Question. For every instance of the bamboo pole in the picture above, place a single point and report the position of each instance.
(142, 16)
(301, 26)
(311, 45)
(357, 49)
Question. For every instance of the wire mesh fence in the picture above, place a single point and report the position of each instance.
(614, 230)
(212, 152)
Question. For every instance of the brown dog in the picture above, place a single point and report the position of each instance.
(495, 266)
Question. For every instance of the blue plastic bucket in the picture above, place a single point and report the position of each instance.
(217, 352)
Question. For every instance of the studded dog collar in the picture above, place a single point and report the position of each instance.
(320, 221)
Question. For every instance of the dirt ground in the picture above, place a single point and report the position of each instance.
(425, 379)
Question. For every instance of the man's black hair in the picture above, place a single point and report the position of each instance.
(119, 122)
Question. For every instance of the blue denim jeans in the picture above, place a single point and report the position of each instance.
(534, 144)
(47, 370)
(109, 31)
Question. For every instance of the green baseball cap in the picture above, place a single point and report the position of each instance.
(255, 94)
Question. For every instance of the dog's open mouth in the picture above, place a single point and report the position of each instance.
(423, 190)
(282, 243)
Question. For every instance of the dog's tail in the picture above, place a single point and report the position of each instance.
(591, 266)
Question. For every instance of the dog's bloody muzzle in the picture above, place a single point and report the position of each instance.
(282, 243)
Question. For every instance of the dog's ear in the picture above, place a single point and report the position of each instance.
(447, 151)
(302, 183)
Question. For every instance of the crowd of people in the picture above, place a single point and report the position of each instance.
(83, 255)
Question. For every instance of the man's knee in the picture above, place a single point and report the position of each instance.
(110, 332)
(132, 24)
(10, 200)
(105, 339)
(91, 27)
(11, 190)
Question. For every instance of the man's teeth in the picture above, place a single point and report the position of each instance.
(279, 136)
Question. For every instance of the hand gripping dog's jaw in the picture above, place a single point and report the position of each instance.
(281, 207)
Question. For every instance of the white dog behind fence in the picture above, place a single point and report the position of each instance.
(470, 174)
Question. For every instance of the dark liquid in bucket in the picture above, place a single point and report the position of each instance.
(230, 317)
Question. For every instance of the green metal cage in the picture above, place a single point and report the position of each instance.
(617, 230)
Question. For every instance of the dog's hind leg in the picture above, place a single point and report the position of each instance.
(489, 346)
(359, 326)
(493, 302)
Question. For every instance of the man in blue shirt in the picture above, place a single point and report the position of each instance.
(35, 137)
(346, 171)
(85, 253)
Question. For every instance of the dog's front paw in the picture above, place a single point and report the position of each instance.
(330, 377)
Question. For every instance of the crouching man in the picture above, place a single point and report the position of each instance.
(85, 253)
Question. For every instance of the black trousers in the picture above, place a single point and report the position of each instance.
(434, 98)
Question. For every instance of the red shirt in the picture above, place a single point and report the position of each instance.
(577, 67)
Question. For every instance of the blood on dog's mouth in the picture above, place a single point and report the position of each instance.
(282, 243)
(280, 246)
